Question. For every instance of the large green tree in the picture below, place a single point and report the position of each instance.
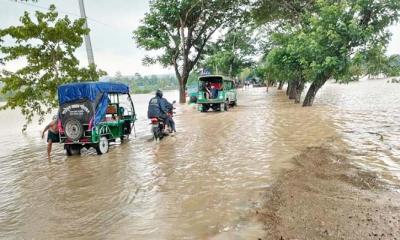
(232, 53)
(325, 38)
(45, 45)
(338, 30)
(181, 29)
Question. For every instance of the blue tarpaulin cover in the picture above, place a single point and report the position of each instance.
(88, 90)
(91, 91)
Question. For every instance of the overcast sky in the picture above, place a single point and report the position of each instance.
(112, 24)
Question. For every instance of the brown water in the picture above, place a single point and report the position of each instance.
(204, 182)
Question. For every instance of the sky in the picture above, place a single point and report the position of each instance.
(112, 24)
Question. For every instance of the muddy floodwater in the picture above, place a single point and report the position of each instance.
(202, 183)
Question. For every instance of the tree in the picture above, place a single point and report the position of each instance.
(393, 66)
(47, 44)
(231, 54)
(324, 39)
(280, 12)
(337, 31)
(375, 60)
(285, 62)
(181, 29)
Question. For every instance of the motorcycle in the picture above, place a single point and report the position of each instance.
(158, 125)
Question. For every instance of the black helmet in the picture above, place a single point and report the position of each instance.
(159, 93)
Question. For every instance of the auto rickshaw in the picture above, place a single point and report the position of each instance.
(93, 114)
(216, 92)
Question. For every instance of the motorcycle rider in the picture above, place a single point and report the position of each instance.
(159, 107)
(170, 109)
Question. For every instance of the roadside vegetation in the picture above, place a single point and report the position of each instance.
(314, 41)
(146, 84)
(47, 43)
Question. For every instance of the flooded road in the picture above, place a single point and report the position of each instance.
(201, 183)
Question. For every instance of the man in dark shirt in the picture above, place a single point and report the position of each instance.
(158, 108)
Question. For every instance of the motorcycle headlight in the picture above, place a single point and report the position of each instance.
(221, 96)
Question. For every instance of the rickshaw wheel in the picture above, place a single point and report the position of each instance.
(73, 149)
(73, 129)
(103, 146)
(68, 150)
(205, 107)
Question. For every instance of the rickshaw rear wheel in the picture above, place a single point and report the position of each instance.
(205, 107)
(73, 149)
(103, 146)
(73, 129)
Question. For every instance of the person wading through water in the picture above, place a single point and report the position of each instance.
(52, 135)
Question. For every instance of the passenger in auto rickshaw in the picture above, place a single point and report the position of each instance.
(215, 88)
(207, 89)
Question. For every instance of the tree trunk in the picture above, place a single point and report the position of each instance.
(280, 86)
(182, 86)
(289, 86)
(292, 91)
(299, 91)
(312, 91)
(182, 92)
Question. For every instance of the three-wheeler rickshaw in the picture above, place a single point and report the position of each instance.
(93, 114)
(216, 92)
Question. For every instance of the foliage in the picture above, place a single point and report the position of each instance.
(146, 84)
(232, 53)
(278, 11)
(47, 45)
(324, 42)
(180, 31)
(393, 66)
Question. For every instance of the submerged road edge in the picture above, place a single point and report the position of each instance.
(324, 196)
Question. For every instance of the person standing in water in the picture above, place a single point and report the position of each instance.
(52, 135)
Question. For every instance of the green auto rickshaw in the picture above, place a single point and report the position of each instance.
(93, 114)
(216, 92)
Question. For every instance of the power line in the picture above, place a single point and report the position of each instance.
(60, 11)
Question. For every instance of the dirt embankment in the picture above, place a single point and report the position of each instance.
(325, 197)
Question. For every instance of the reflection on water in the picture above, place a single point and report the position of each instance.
(201, 183)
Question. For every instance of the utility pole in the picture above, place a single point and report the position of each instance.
(88, 43)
